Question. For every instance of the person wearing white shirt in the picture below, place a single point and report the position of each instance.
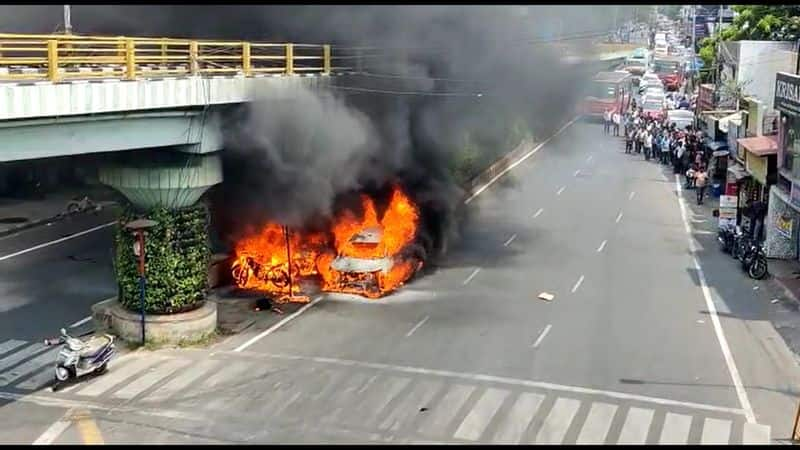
(606, 121)
(648, 145)
(616, 119)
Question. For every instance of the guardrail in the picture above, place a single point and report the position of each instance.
(59, 57)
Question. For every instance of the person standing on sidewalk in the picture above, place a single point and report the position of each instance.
(606, 121)
(700, 181)
(615, 118)
(629, 133)
(648, 145)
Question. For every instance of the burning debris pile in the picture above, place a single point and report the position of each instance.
(361, 253)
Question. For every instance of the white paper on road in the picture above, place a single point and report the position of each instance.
(598, 422)
(512, 429)
(676, 429)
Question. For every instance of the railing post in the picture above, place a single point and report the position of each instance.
(289, 59)
(326, 59)
(163, 51)
(194, 66)
(246, 67)
(130, 59)
(52, 60)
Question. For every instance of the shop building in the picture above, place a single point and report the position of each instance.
(784, 197)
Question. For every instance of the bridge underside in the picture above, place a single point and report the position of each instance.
(190, 131)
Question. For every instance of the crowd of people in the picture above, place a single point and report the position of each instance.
(662, 141)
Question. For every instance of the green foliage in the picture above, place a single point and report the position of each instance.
(476, 152)
(757, 23)
(176, 263)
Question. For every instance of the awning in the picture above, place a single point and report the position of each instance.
(760, 145)
(735, 117)
(738, 171)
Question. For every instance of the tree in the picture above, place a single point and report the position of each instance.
(753, 22)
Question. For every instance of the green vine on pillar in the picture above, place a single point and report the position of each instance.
(176, 265)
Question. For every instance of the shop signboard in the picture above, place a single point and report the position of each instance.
(727, 210)
(787, 93)
(783, 224)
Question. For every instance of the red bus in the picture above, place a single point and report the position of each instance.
(670, 71)
(607, 90)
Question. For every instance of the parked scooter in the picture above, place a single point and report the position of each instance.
(754, 261)
(739, 243)
(78, 357)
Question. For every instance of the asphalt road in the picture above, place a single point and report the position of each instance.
(627, 350)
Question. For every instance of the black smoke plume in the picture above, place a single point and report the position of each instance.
(472, 70)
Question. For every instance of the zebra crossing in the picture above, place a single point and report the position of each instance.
(395, 405)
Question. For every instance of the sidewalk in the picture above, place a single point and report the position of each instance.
(17, 214)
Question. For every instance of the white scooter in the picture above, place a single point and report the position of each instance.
(78, 358)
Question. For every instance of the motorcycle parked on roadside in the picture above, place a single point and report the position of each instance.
(754, 261)
(725, 237)
(739, 243)
(78, 357)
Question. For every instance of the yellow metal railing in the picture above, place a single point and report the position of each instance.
(60, 57)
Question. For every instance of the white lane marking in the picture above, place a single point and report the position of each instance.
(492, 379)
(602, 246)
(513, 427)
(538, 212)
(541, 336)
(557, 421)
(149, 379)
(419, 324)
(16, 357)
(481, 414)
(182, 381)
(56, 429)
(595, 428)
(9, 345)
(471, 276)
(510, 240)
(114, 377)
(755, 434)
(619, 217)
(676, 429)
(520, 161)
(716, 431)
(445, 410)
(712, 311)
(408, 407)
(577, 284)
(630, 197)
(589, 159)
(81, 322)
(561, 190)
(57, 241)
(41, 361)
(634, 431)
(577, 172)
(283, 322)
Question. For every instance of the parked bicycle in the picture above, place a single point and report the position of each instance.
(78, 205)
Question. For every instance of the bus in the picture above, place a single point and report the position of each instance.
(670, 71)
(607, 90)
(638, 62)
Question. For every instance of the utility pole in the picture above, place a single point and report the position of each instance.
(694, 27)
(67, 20)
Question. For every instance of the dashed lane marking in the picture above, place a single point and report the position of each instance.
(510, 240)
(602, 246)
(419, 324)
(541, 336)
(561, 190)
(471, 276)
(619, 217)
(535, 215)
(577, 284)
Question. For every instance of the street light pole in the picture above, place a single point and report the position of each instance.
(67, 20)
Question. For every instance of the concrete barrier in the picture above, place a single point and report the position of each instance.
(111, 317)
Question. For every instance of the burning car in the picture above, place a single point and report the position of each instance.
(359, 254)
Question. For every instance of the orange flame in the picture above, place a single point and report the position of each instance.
(262, 263)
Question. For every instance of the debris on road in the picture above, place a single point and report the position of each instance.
(546, 297)
(774, 300)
